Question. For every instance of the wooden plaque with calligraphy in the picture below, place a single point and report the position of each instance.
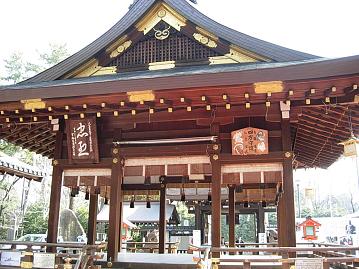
(249, 141)
(82, 141)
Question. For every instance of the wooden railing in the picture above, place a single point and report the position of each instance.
(65, 253)
(150, 247)
(281, 257)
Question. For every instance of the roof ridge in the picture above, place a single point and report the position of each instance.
(139, 8)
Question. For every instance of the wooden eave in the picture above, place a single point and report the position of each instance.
(185, 78)
(317, 126)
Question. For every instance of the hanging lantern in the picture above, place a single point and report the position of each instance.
(183, 195)
(87, 195)
(132, 202)
(73, 192)
(97, 190)
(148, 202)
(350, 147)
(106, 201)
(209, 198)
(351, 144)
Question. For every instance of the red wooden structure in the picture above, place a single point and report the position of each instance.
(164, 89)
(310, 228)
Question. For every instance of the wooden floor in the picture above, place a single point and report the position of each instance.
(178, 261)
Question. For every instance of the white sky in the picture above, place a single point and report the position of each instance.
(323, 27)
(326, 28)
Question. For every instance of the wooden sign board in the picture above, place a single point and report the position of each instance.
(82, 141)
(309, 263)
(44, 260)
(249, 141)
(10, 258)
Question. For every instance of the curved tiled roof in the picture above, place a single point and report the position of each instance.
(139, 8)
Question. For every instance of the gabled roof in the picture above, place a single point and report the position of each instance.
(310, 222)
(140, 8)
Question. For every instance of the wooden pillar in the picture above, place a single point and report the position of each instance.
(115, 222)
(232, 216)
(121, 218)
(260, 221)
(162, 223)
(286, 209)
(92, 220)
(55, 198)
(216, 192)
(197, 216)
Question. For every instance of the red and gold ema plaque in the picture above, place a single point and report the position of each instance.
(82, 141)
(249, 141)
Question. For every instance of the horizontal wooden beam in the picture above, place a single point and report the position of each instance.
(64, 164)
(227, 158)
(163, 151)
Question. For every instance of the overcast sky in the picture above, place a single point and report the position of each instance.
(327, 28)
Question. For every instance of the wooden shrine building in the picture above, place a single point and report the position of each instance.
(170, 102)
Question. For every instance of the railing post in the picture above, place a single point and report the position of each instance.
(163, 222)
(246, 264)
(285, 263)
(326, 265)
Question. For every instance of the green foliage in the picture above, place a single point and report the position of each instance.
(13, 150)
(18, 69)
(15, 68)
(8, 204)
(55, 54)
(82, 213)
(245, 230)
(34, 220)
(136, 235)
(272, 219)
(336, 206)
(184, 215)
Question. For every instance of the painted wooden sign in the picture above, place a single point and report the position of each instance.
(10, 258)
(314, 263)
(44, 260)
(82, 141)
(249, 141)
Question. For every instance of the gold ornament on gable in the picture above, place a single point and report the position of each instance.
(121, 48)
(205, 40)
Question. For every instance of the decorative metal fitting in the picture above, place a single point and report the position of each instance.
(215, 147)
(115, 151)
(115, 160)
(215, 157)
(161, 13)
(288, 154)
(55, 162)
(215, 263)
